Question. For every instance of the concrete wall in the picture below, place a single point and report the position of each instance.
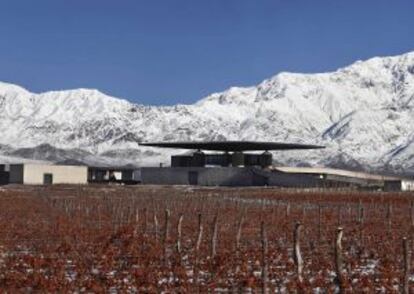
(217, 176)
(334, 172)
(136, 175)
(33, 174)
(281, 179)
(249, 176)
(226, 176)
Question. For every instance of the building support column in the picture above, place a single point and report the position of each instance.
(237, 159)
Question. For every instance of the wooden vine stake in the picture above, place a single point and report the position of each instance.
(197, 250)
(239, 233)
(339, 261)
(264, 258)
(389, 212)
(360, 212)
(136, 222)
(361, 222)
(238, 237)
(319, 223)
(179, 233)
(137, 216)
(200, 233)
(412, 213)
(407, 266)
(287, 210)
(214, 237)
(297, 256)
(155, 226)
(166, 235)
(145, 220)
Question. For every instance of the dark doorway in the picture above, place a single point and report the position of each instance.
(47, 179)
(193, 178)
(4, 177)
(259, 180)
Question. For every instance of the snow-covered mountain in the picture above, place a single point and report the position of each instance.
(363, 113)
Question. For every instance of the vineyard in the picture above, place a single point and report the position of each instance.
(186, 240)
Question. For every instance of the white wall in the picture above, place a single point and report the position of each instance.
(407, 185)
(62, 174)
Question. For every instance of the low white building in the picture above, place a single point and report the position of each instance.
(36, 174)
(407, 185)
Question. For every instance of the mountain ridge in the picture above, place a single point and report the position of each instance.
(363, 113)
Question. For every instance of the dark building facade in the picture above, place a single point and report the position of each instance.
(225, 176)
(201, 159)
(228, 163)
(4, 174)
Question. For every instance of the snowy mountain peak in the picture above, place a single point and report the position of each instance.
(11, 89)
(363, 113)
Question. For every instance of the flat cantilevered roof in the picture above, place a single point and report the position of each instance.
(231, 145)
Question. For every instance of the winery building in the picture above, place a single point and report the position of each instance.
(227, 163)
(43, 174)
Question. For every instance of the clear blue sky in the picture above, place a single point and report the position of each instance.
(177, 51)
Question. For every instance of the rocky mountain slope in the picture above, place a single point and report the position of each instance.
(363, 113)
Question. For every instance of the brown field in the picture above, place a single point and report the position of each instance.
(124, 239)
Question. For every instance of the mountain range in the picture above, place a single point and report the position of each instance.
(362, 113)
